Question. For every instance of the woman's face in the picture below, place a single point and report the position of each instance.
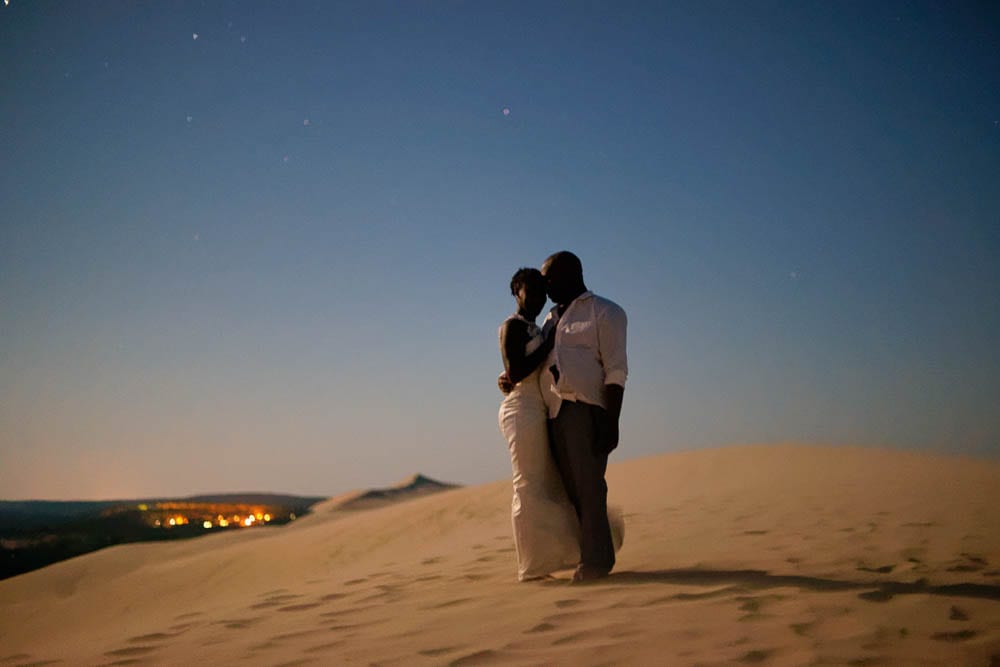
(531, 298)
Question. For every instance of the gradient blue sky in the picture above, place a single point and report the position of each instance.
(274, 257)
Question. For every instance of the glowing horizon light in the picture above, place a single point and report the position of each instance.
(173, 521)
(258, 516)
(143, 507)
(207, 524)
(248, 521)
(267, 517)
(223, 523)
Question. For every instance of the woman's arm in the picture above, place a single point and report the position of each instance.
(513, 339)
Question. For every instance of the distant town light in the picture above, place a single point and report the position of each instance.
(267, 517)
(143, 507)
(223, 523)
(173, 521)
(207, 524)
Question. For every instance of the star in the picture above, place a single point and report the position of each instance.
(194, 35)
(506, 111)
(190, 118)
(243, 38)
(306, 122)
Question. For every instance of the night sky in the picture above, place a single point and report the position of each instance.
(267, 246)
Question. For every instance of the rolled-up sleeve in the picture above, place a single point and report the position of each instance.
(612, 325)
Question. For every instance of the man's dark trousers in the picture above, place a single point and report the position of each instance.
(575, 440)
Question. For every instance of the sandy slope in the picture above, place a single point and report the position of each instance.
(771, 554)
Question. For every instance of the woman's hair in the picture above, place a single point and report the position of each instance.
(526, 276)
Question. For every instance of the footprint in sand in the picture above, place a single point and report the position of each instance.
(190, 614)
(355, 582)
(131, 651)
(960, 636)
(449, 603)
(956, 614)
(969, 563)
(434, 652)
(178, 628)
(884, 569)
(566, 603)
(432, 561)
(475, 658)
(293, 635)
(753, 657)
(802, 629)
(753, 605)
(570, 638)
(272, 600)
(153, 637)
(876, 596)
(755, 532)
(300, 607)
(25, 656)
(327, 646)
(333, 596)
(541, 627)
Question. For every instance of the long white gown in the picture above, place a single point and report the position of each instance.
(546, 528)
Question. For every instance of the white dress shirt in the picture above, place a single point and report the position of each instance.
(589, 352)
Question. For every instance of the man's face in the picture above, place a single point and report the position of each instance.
(555, 281)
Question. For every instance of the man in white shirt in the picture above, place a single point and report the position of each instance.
(589, 367)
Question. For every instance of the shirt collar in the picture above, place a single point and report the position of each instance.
(583, 296)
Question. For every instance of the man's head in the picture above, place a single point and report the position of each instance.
(563, 277)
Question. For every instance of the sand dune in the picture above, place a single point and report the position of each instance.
(759, 554)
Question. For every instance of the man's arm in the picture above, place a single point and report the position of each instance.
(612, 329)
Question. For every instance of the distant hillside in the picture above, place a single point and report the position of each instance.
(411, 487)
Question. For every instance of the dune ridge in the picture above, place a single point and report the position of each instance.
(766, 554)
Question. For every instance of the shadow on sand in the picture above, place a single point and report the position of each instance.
(874, 591)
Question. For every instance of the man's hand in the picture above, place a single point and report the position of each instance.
(504, 383)
(607, 433)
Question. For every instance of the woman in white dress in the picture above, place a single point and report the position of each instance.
(546, 527)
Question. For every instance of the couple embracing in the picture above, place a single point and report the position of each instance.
(564, 384)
